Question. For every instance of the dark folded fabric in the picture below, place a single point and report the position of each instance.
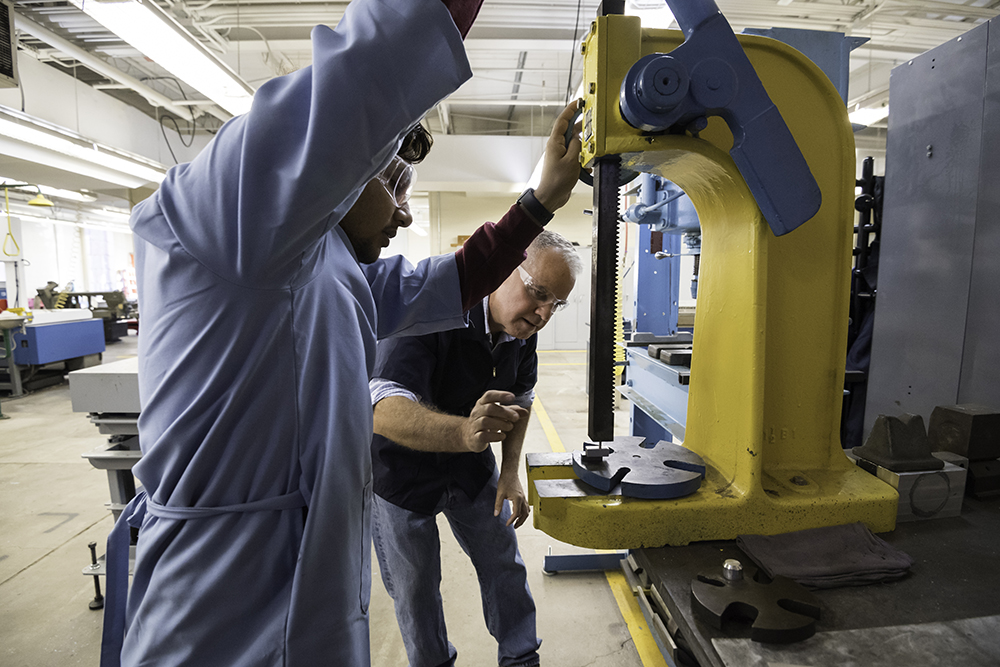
(827, 557)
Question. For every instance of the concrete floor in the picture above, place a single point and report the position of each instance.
(53, 506)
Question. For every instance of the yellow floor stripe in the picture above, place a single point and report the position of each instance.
(645, 645)
(555, 444)
(642, 637)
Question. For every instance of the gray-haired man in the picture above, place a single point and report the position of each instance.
(440, 399)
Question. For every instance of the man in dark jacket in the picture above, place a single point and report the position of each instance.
(440, 399)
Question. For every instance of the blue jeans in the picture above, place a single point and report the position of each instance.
(409, 556)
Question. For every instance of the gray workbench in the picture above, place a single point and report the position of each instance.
(947, 611)
(106, 389)
(110, 394)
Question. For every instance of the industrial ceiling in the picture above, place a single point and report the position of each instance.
(524, 54)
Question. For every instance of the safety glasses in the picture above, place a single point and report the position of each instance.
(541, 295)
(398, 179)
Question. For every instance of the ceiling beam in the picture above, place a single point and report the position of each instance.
(444, 115)
(472, 45)
(505, 102)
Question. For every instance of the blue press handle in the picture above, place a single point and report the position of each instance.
(690, 14)
(710, 74)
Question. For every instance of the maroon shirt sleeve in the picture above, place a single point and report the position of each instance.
(463, 12)
(492, 253)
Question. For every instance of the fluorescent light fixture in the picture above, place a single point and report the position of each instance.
(131, 170)
(119, 216)
(67, 194)
(652, 13)
(105, 227)
(868, 116)
(416, 229)
(87, 224)
(55, 192)
(33, 218)
(160, 38)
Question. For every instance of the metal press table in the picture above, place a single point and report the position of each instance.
(945, 612)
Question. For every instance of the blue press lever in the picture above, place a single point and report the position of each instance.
(710, 75)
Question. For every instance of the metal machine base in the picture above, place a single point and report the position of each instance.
(573, 512)
(768, 365)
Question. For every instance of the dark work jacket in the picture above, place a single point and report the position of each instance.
(450, 370)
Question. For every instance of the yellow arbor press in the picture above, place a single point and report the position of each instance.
(767, 370)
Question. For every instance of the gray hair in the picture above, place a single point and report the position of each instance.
(549, 240)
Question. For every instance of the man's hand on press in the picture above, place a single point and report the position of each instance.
(561, 166)
(509, 488)
(490, 420)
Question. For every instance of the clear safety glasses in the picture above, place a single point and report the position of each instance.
(398, 179)
(541, 295)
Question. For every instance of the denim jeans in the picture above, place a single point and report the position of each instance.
(408, 548)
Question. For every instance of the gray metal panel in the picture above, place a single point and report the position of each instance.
(928, 228)
(830, 51)
(981, 360)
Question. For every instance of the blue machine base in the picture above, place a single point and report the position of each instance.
(48, 343)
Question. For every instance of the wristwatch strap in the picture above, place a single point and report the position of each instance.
(534, 207)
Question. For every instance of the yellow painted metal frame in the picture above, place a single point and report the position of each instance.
(767, 372)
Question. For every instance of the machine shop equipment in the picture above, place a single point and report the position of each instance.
(658, 392)
(781, 611)
(632, 466)
(13, 382)
(44, 345)
(765, 380)
(112, 307)
(109, 394)
(774, 197)
(937, 322)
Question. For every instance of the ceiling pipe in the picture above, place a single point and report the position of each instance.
(155, 98)
(444, 115)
